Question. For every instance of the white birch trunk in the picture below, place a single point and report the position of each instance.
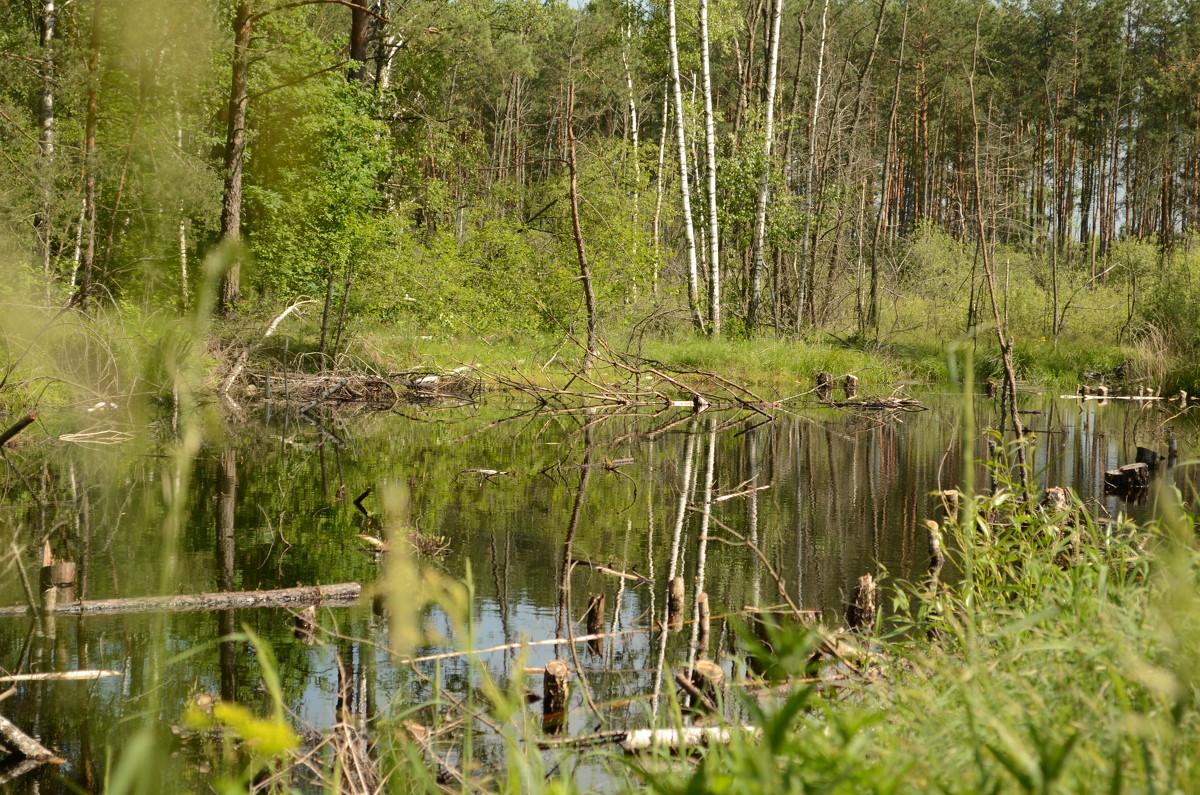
(710, 147)
(809, 248)
(689, 230)
(633, 133)
(46, 135)
(760, 214)
(658, 194)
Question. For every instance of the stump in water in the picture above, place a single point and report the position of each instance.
(704, 620)
(1127, 479)
(993, 389)
(1148, 457)
(703, 686)
(850, 386)
(675, 604)
(595, 623)
(825, 385)
(860, 613)
(557, 681)
(937, 557)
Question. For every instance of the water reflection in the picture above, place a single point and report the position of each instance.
(570, 525)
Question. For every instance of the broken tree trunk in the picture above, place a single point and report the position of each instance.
(675, 599)
(556, 685)
(22, 743)
(850, 386)
(860, 614)
(337, 594)
(825, 385)
(1131, 477)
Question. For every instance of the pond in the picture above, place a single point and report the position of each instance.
(539, 511)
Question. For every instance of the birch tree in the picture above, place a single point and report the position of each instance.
(760, 214)
(689, 230)
(710, 149)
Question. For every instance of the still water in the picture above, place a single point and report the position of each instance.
(808, 499)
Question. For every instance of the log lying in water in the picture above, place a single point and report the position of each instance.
(337, 594)
(23, 744)
(687, 737)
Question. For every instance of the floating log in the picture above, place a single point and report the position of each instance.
(675, 604)
(687, 737)
(556, 686)
(600, 567)
(860, 613)
(60, 676)
(337, 594)
(825, 385)
(850, 386)
(1129, 478)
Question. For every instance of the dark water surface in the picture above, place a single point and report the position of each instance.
(825, 496)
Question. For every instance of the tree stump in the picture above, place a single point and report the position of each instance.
(860, 613)
(1127, 479)
(704, 620)
(556, 682)
(937, 556)
(825, 385)
(703, 686)
(850, 386)
(1055, 499)
(595, 623)
(675, 604)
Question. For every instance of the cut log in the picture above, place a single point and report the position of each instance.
(703, 685)
(334, 595)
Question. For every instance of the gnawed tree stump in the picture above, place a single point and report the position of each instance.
(675, 598)
(1127, 479)
(850, 386)
(556, 686)
(937, 556)
(703, 686)
(825, 385)
(595, 622)
(860, 613)
(1055, 499)
(703, 621)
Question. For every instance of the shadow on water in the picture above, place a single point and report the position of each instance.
(601, 526)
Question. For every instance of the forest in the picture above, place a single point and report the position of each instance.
(863, 169)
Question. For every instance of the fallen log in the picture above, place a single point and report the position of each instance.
(23, 744)
(337, 594)
(682, 739)
(60, 676)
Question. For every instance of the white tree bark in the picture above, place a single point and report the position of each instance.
(760, 214)
(689, 230)
(658, 193)
(46, 135)
(633, 132)
(809, 248)
(710, 147)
